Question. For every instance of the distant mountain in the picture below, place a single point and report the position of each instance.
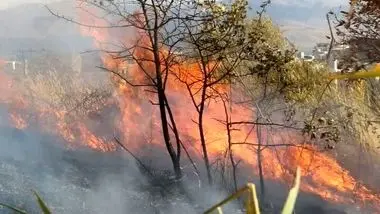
(304, 36)
(302, 21)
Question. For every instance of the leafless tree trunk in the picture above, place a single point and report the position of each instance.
(230, 144)
(260, 162)
(152, 19)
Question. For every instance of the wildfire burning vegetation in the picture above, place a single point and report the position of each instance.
(322, 174)
(75, 133)
(23, 115)
(139, 122)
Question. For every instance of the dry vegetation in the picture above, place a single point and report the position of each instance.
(53, 84)
(252, 58)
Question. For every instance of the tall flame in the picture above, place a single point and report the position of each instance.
(324, 175)
(140, 122)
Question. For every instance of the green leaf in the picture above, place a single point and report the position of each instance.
(293, 193)
(13, 208)
(42, 204)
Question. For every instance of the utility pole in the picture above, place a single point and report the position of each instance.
(332, 38)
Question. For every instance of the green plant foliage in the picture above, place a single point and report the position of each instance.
(265, 58)
(303, 82)
(42, 204)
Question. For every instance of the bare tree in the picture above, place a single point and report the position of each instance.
(165, 30)
(213, 32)
(170, 32)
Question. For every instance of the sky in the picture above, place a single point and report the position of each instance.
(302, 21)
(293, 11)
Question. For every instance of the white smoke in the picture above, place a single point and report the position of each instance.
(84, 181)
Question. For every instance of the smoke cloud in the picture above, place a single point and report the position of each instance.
(84, 181)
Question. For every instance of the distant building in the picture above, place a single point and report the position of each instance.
(305, 57)
(320, 51)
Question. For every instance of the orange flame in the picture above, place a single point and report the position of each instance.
(17, 121)
(139, 122)
(52, 120)
(322, 174)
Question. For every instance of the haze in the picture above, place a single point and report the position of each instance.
(151, 107)
(303, 21)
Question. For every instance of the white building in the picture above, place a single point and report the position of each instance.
(320, 51)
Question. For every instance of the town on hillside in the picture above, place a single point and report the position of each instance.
(334, 56)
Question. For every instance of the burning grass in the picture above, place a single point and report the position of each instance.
(323, 174)
(60, 101)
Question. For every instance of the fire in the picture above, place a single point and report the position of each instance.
(139, 122)
(77, 133)
(18, 122)
(91, 140)
(323, 175)
(53, 121)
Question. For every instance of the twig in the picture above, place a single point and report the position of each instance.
(188, 155)
(263, 124)
(273, 145)
(134, 156)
